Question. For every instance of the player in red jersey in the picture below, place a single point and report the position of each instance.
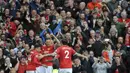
(31, 67)
(36, 56)
(48, 48)
(65, 54)
(21, 65)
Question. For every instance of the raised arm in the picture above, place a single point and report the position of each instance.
(55, 38)
(52, 54)
(80, 55)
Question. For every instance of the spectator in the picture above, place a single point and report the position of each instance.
(112, 5)
(87, 63)
(31, 39)
(92, 58)
(98, 46)
(121, 40)
(113, 34)
(82, 6)
(10, 26)
(119, 26)
(13, 57)
(2, 59)
(19, 54)
(124, 18)
(8, 65)
(101, 66)
(35, 20)
(13, 8)
(127, 40)
(35, 5)
(108, 53)
(90, 45)
(118, 66)
(77, 67)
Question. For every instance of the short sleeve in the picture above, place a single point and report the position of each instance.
(57, 56)
(73, 51)
(58, 50)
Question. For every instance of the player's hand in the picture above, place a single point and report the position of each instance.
(96, 60)
(32, 47)
(17, 60)
(51, 35)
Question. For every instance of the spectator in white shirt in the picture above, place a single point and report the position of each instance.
(100, 66)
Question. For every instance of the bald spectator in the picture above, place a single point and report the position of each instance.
(82, 6)
(124, 18)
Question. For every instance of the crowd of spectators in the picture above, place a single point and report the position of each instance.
(99, 29)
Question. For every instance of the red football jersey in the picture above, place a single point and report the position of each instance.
(47, 50)
(31, 66)
(22, 68)
(35, 59)
(65, 54)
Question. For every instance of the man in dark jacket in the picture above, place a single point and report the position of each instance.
(77, 67)
(118, 66)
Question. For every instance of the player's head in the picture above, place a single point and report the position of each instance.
(64, 42)
(38, 47)
(49, 42)
(23, 59)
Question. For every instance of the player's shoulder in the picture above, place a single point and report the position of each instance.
(32, 52)
(64, 47)
(44, 46)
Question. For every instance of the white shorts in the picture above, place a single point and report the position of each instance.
(39, 69)
(30, 71)
(42, 69)
(48, 69)
(65, 70)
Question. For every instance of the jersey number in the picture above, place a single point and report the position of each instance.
(66, 54)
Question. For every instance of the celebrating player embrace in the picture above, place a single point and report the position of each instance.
(64, 53)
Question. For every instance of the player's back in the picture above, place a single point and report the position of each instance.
(65, 55)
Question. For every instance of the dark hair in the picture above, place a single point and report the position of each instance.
(37, 45)
(22, 57)
(64, 41)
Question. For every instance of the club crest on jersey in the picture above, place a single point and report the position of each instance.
(48, 48)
